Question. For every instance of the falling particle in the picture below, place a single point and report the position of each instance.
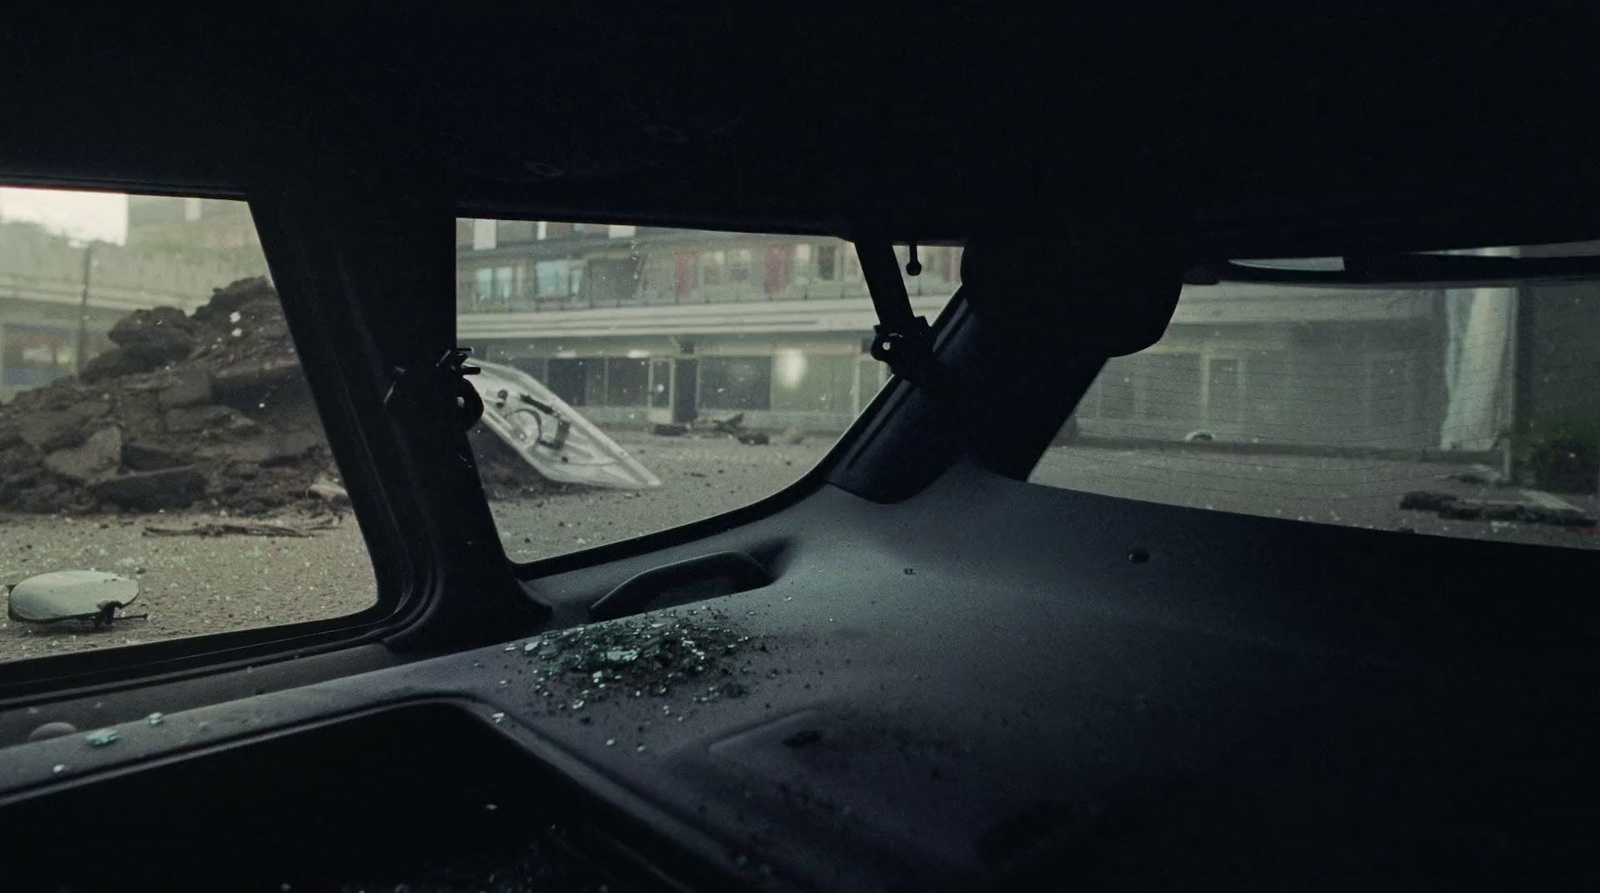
(101, 738)
(491, 806)
(511, 647)
(59, 768)
(611, 742)
(640, 749)
(505, 682)
(532, 644)
(498, 717)
(155, 719)
(578, 704)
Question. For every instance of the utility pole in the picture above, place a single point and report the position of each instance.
(83, 308)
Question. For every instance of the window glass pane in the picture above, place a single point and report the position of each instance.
(612, 280)
(155, 425)
(552, 277)
(815, 383)
(736, 382)
(1469, 412)
(707, 370)
(626, 381)
(739, 265)
(826, 255)
(660, 384)
(568, 378)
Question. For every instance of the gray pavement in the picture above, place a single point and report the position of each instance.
(197, 586)
(1352, 492)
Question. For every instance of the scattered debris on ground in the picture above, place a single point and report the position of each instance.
(1458, 508)
(266, 528)
(205, 410)
(504, 473)
(732, 426)
(648, 656)
(1479, 478)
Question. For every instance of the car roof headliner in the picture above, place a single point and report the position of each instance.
(1278, 133)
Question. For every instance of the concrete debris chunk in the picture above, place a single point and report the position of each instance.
(149, 457)
(328, 491)
(52, 429)
(146, 340)
(267, 448)
(96, 458)
(149, 491)
(190, 387)
(212, 419)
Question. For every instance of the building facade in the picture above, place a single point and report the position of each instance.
(59, 297)
(641, 325)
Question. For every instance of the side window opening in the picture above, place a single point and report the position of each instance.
(699, 372)
(1465, 412)
(156, 434)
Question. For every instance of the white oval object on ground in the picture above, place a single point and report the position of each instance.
(71, 595)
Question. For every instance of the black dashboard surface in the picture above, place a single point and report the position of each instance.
(978, 688)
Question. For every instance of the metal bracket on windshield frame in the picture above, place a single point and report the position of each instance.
(437, 392)
(901, 339)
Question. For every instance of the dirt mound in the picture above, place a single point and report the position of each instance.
(208, 410)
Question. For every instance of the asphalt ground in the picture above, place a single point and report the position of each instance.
(191, 585)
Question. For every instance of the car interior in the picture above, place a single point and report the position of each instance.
(912, 668)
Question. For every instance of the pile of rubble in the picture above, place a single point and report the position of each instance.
(208, 410)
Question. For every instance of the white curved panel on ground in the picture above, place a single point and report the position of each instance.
(550, 436)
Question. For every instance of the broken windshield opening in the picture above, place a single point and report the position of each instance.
(639, 378)
(1468, 412)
